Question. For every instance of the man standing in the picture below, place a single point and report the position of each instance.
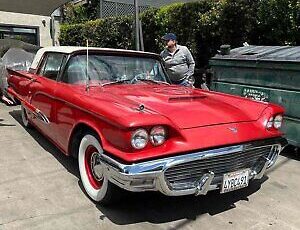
(178, 61)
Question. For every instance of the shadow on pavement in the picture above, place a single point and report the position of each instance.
(69, 163)
(1, 125)
(156, 208)
(291, 152)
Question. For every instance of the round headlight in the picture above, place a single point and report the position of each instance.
(277, 121)
(139, 139)
(157, 135)
(269, 124)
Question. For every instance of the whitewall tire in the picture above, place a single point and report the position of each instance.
(91, 170)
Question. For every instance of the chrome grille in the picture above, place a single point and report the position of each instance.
(190, 172)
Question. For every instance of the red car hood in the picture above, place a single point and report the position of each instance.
(185, 107)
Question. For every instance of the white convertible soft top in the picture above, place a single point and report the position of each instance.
(71, 49)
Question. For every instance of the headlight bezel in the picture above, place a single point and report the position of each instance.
(277, 119)
(269, 123)
(147, 136)
(161, 135)
(138, 134)
(274, 122)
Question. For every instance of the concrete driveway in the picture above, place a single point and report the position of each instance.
(40, 189)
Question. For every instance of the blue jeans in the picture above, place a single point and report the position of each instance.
(189, 82)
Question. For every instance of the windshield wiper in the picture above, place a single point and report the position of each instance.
(154, 81)
(115, 82)
(137, 79)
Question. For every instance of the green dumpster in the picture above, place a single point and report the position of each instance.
(266, 73)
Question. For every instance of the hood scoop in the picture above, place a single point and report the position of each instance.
(186, 98)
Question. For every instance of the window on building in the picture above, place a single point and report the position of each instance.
(25, 34)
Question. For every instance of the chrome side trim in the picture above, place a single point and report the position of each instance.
(150, 175)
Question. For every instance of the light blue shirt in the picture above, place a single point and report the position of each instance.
(180, 64)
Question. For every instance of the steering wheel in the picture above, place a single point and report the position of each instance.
(138, 77)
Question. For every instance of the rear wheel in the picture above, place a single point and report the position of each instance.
(24, 115)
(92, 173)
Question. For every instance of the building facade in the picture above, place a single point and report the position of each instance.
(34, 29)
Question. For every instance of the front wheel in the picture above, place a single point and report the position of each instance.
(91, 170)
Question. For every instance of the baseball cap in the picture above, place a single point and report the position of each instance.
(169, 36)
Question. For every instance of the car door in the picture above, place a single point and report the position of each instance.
(42, 92)
(70, 87)
(71, 84)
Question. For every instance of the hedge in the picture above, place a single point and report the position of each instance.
(202, 26)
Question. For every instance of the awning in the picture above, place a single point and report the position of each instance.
(37, 7)
(46, 7)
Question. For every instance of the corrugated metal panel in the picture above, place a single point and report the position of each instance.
(291, 54)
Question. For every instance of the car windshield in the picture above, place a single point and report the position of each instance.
(108, 69)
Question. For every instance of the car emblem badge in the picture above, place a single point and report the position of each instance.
(234, 130)
(141, 107)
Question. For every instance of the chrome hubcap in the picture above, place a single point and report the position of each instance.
(96, 166)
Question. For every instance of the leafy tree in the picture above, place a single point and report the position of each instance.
(278, 22)
(80, 13)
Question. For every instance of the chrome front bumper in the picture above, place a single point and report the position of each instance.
(150, 175)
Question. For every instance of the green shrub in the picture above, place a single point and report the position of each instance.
(109, 33)
(71, 35)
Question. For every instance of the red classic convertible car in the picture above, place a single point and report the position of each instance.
(116, 111)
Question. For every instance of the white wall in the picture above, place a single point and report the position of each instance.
(7, 18)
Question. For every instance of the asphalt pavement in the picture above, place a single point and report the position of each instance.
(40, 189)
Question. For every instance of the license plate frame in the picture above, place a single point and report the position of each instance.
(235, 180)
